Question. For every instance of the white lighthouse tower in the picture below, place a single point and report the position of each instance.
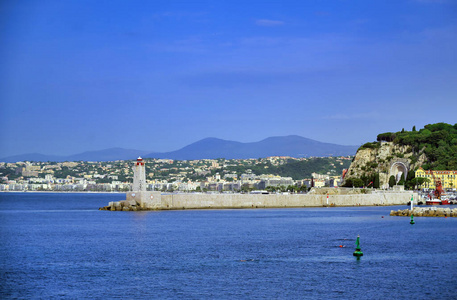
(139, 198)
(139, 176)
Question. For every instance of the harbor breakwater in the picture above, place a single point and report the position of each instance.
(156, 201)
(426, 212)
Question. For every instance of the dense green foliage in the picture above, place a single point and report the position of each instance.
(438, 142)
(376, 183)
(296, 169)
(303, 169)
(392, 181)
(373, 145)
(9, 173)
(64, 172)
(354, 182)
(371, 180)
(387, 137)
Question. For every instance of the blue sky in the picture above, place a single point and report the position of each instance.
(158, 75)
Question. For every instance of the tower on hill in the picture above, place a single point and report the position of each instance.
(139, 176)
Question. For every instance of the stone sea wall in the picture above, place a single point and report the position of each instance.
(426, 212)
(158, 201)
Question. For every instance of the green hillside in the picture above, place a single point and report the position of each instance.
(437, 141)
(297, 169)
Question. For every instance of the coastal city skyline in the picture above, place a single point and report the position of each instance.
(80, 76)
(173, 175)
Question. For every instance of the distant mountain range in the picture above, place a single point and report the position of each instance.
(110, 154)
(292, 145)
(209, 148)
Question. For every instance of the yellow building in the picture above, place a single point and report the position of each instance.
(448, 178)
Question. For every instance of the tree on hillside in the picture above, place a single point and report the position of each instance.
(376, 181)
(392, 181)
(419, 181)
(387, 137)
(270, 189)
(291, 189)
(303, 189)
(357, 182)
(353, 182)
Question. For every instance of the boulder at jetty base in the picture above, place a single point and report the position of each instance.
(426, 212)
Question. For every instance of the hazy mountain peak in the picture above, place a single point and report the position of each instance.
(292, 145)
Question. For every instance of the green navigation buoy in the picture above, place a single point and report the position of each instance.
(358, 252)
(412, 219)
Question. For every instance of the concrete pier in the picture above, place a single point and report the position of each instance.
(157, 201)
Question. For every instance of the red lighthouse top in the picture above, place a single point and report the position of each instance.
(139, 161)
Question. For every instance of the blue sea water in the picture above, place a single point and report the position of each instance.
(61, 246)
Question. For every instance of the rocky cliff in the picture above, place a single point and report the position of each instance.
(385, 159)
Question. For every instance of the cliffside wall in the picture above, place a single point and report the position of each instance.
(384, 158)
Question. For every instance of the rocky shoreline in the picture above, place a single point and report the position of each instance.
(123, 206)
(426, 212)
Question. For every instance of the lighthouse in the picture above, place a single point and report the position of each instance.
(139, 176)
(139, 198)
